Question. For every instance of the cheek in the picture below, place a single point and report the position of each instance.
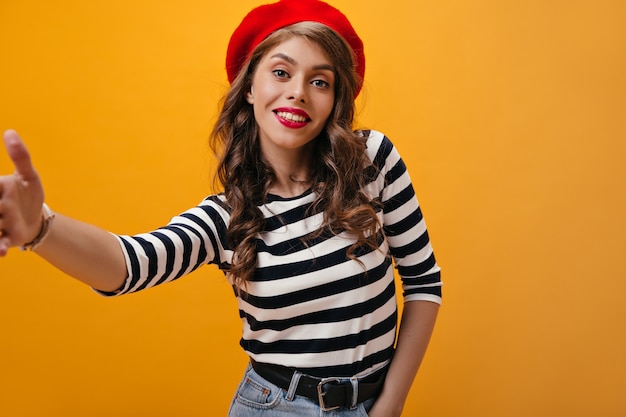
(263, 94)
(256, 111)
(329, 105)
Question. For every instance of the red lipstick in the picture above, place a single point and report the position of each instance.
(292, 117)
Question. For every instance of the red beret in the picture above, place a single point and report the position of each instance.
(263, 20)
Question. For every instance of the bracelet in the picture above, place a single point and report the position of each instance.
(48, 216)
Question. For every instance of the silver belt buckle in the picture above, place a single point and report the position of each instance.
(320, 393)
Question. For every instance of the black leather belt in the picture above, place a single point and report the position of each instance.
(331, 393)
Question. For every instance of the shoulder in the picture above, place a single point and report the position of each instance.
(378, 146)
(212, 208)
(216, 203)
(372, 137)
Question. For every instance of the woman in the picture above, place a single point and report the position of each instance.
(311, 218)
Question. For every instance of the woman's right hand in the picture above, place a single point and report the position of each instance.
(21, 197)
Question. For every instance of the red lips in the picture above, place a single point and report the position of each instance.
(292, 117)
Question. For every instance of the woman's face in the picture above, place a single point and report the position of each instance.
(292, 95)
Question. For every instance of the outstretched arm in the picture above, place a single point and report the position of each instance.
(416, 327)
(85, 252)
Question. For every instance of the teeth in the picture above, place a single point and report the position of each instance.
(290, 116)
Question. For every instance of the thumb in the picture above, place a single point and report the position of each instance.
(19, 155)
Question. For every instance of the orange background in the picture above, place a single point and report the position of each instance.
(510, 114)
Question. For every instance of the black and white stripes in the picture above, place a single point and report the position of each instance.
(309, 305)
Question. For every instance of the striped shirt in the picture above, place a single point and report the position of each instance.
(309, 306)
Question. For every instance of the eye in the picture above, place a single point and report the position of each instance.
(320, 83)
(279, 73)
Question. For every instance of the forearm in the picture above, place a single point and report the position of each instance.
(85, 252)
(416, 327)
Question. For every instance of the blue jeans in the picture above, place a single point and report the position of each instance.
(256, 397)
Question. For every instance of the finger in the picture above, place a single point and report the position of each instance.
(19, 155)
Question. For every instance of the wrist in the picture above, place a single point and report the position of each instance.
(47, 216)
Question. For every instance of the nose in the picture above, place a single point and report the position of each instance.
(297, 90)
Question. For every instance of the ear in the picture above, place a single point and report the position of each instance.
(250, 96)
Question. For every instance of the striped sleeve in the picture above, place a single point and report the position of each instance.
(188, 241)
(405, 227)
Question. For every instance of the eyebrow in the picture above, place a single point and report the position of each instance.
(292, 61)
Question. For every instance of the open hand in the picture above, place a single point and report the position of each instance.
(21, 197)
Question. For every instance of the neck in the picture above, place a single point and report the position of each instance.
(292, 171)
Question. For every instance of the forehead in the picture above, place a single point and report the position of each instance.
(298, 50)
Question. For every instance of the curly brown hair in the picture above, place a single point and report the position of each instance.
(338, 154)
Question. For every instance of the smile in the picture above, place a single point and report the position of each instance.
(292, 118)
